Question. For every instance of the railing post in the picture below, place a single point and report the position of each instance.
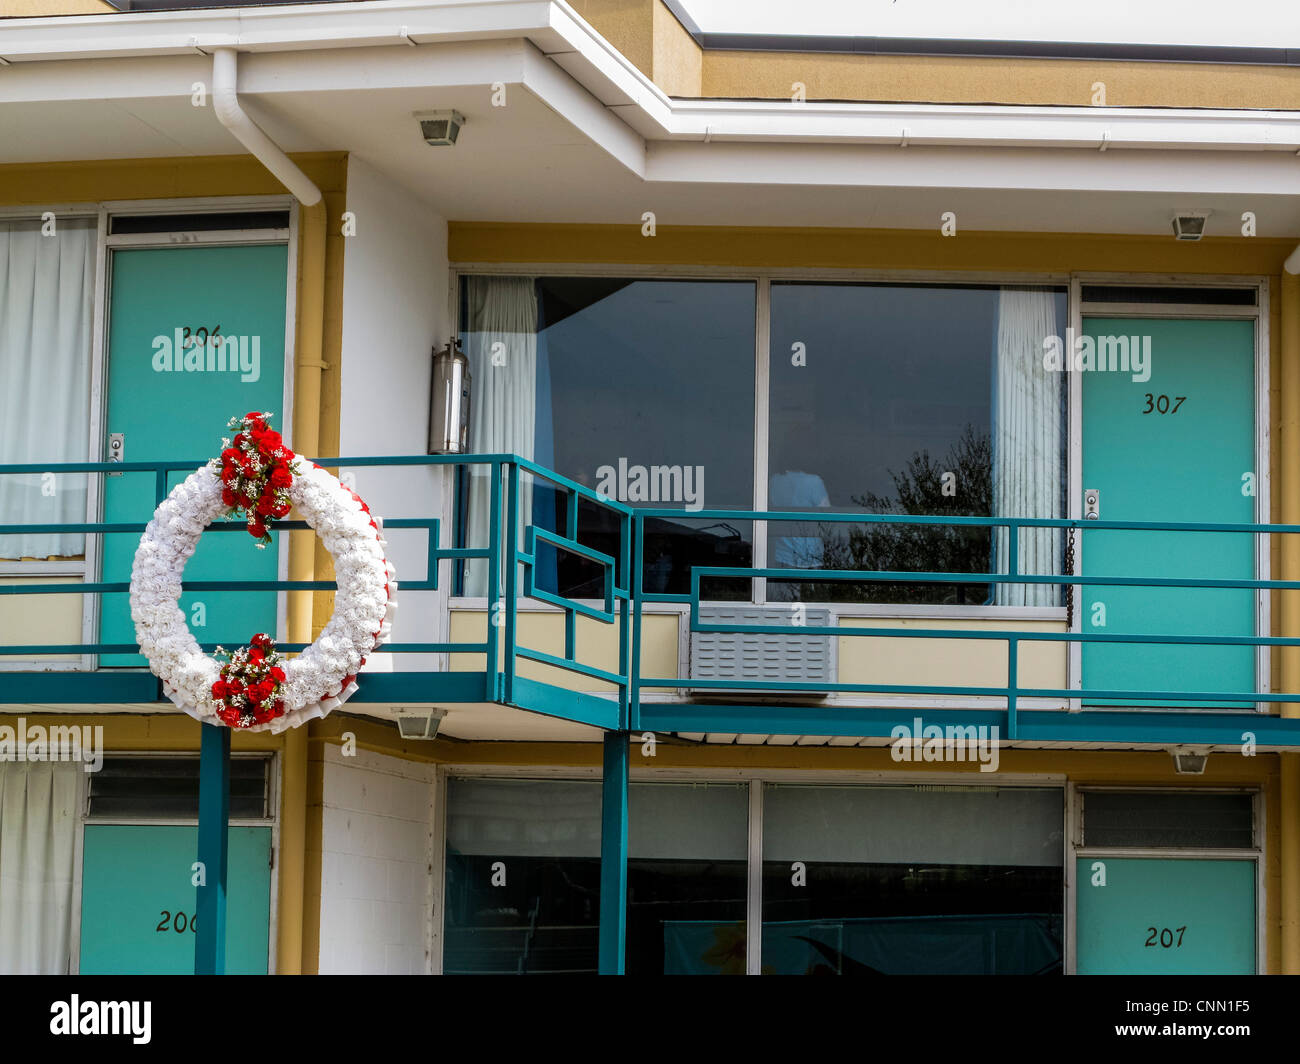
(494, 618)
(634, 666)
(613, 854)
(214, 830)
(512, 572)
(1013, 683)
(624, 620)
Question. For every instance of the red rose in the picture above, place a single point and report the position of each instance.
(265, 505)
(257, 530)
(219, 690)
(261, 691)
(261, 640)
(228, 473)
(256, 654)
(280, 510)
(234, 687)
(277, 674)
(281, 477)
(239, 441)
(228, 497)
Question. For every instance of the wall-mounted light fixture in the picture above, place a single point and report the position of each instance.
(1189, 224)
(449, 401)
(1190, 760)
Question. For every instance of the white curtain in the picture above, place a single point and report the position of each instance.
(46, 305)
(1027, 467)
(501, 339)
(38, 826)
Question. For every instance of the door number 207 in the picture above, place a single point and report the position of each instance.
(1160, 403)
(1166, 937)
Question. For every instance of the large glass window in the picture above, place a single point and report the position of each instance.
(914, 399)
(687, 847)
(522, 887)
(901, 399)
(640, 389)
(903, 880)
(46, 308)
(523, 877)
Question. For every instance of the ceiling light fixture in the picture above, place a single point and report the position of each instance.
(440, 128)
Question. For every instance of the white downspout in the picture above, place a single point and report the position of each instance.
(225, 102)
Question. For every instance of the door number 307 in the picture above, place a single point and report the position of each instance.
(1160, 403)
(1166, 937)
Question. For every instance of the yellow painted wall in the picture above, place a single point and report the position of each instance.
(862, 659)
(30, 619)
(947, 662)
(962, 79)
(678, 61)
(597, 644)
(46, 8)
(170, 731)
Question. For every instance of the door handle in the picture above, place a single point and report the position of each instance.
(116, 449)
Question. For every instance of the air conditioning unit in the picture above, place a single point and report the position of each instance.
(749, 656)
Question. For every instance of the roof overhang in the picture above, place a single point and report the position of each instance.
(586, 136)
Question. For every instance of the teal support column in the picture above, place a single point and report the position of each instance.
(613, 854)
(214, 834)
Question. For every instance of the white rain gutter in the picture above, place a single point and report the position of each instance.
(225, 102)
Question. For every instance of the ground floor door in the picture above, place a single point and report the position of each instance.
(138, 900)
(1169, 435)
(1165, 916)
(196, 335)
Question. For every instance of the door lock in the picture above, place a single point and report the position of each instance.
(1091, 504)
(116, 449)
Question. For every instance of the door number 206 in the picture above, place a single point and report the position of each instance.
(1166, 937)
(1160, 404)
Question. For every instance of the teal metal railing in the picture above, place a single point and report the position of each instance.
(511, 559)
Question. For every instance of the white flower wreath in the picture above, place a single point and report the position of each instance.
(319, 679)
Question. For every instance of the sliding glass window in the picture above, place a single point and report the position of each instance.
(910, 880)
(687, 847)
(642, 390)
(522, 881)
(894, 399)
(914, 399)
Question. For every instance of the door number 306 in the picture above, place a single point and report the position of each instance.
(1160, 404)
(1166, 937)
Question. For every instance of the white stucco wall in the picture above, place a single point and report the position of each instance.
(395, 310)
(376, 886)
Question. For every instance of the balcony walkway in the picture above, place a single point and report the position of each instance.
(1156, 714)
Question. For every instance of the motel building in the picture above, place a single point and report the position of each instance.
(843, 490)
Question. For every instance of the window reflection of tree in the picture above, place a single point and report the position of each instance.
(919, 491)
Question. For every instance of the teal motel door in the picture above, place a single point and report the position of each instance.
(171, 389)
(138, 900)
(1165, 916)
(1169, 438)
